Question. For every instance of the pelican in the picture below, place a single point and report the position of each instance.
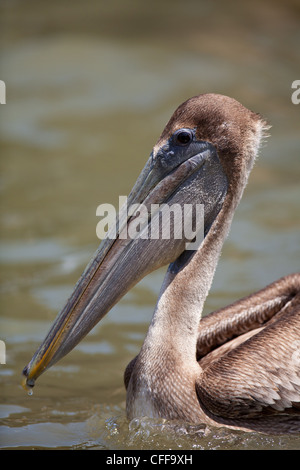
(238, 367)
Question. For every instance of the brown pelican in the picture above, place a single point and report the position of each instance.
(237, 367)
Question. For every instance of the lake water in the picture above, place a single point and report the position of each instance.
(89, 89)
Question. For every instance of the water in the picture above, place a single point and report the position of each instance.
(88, 93)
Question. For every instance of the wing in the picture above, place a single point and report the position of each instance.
(248, 314)
(259, 377)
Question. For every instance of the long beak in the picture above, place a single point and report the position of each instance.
(119, 263)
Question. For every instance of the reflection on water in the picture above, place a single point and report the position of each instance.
(86, 101)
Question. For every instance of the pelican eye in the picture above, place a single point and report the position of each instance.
(183, 136)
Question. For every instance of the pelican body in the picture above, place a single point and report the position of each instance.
(238, 367)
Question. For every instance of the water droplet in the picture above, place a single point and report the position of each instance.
(27, 385)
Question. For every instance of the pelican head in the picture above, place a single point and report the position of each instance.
(203, 156)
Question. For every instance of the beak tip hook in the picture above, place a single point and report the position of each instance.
(27, 383)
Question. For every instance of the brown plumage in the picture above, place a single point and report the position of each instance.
(238, 367)
(243, 366)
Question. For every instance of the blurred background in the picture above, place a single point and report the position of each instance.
(89, 88)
